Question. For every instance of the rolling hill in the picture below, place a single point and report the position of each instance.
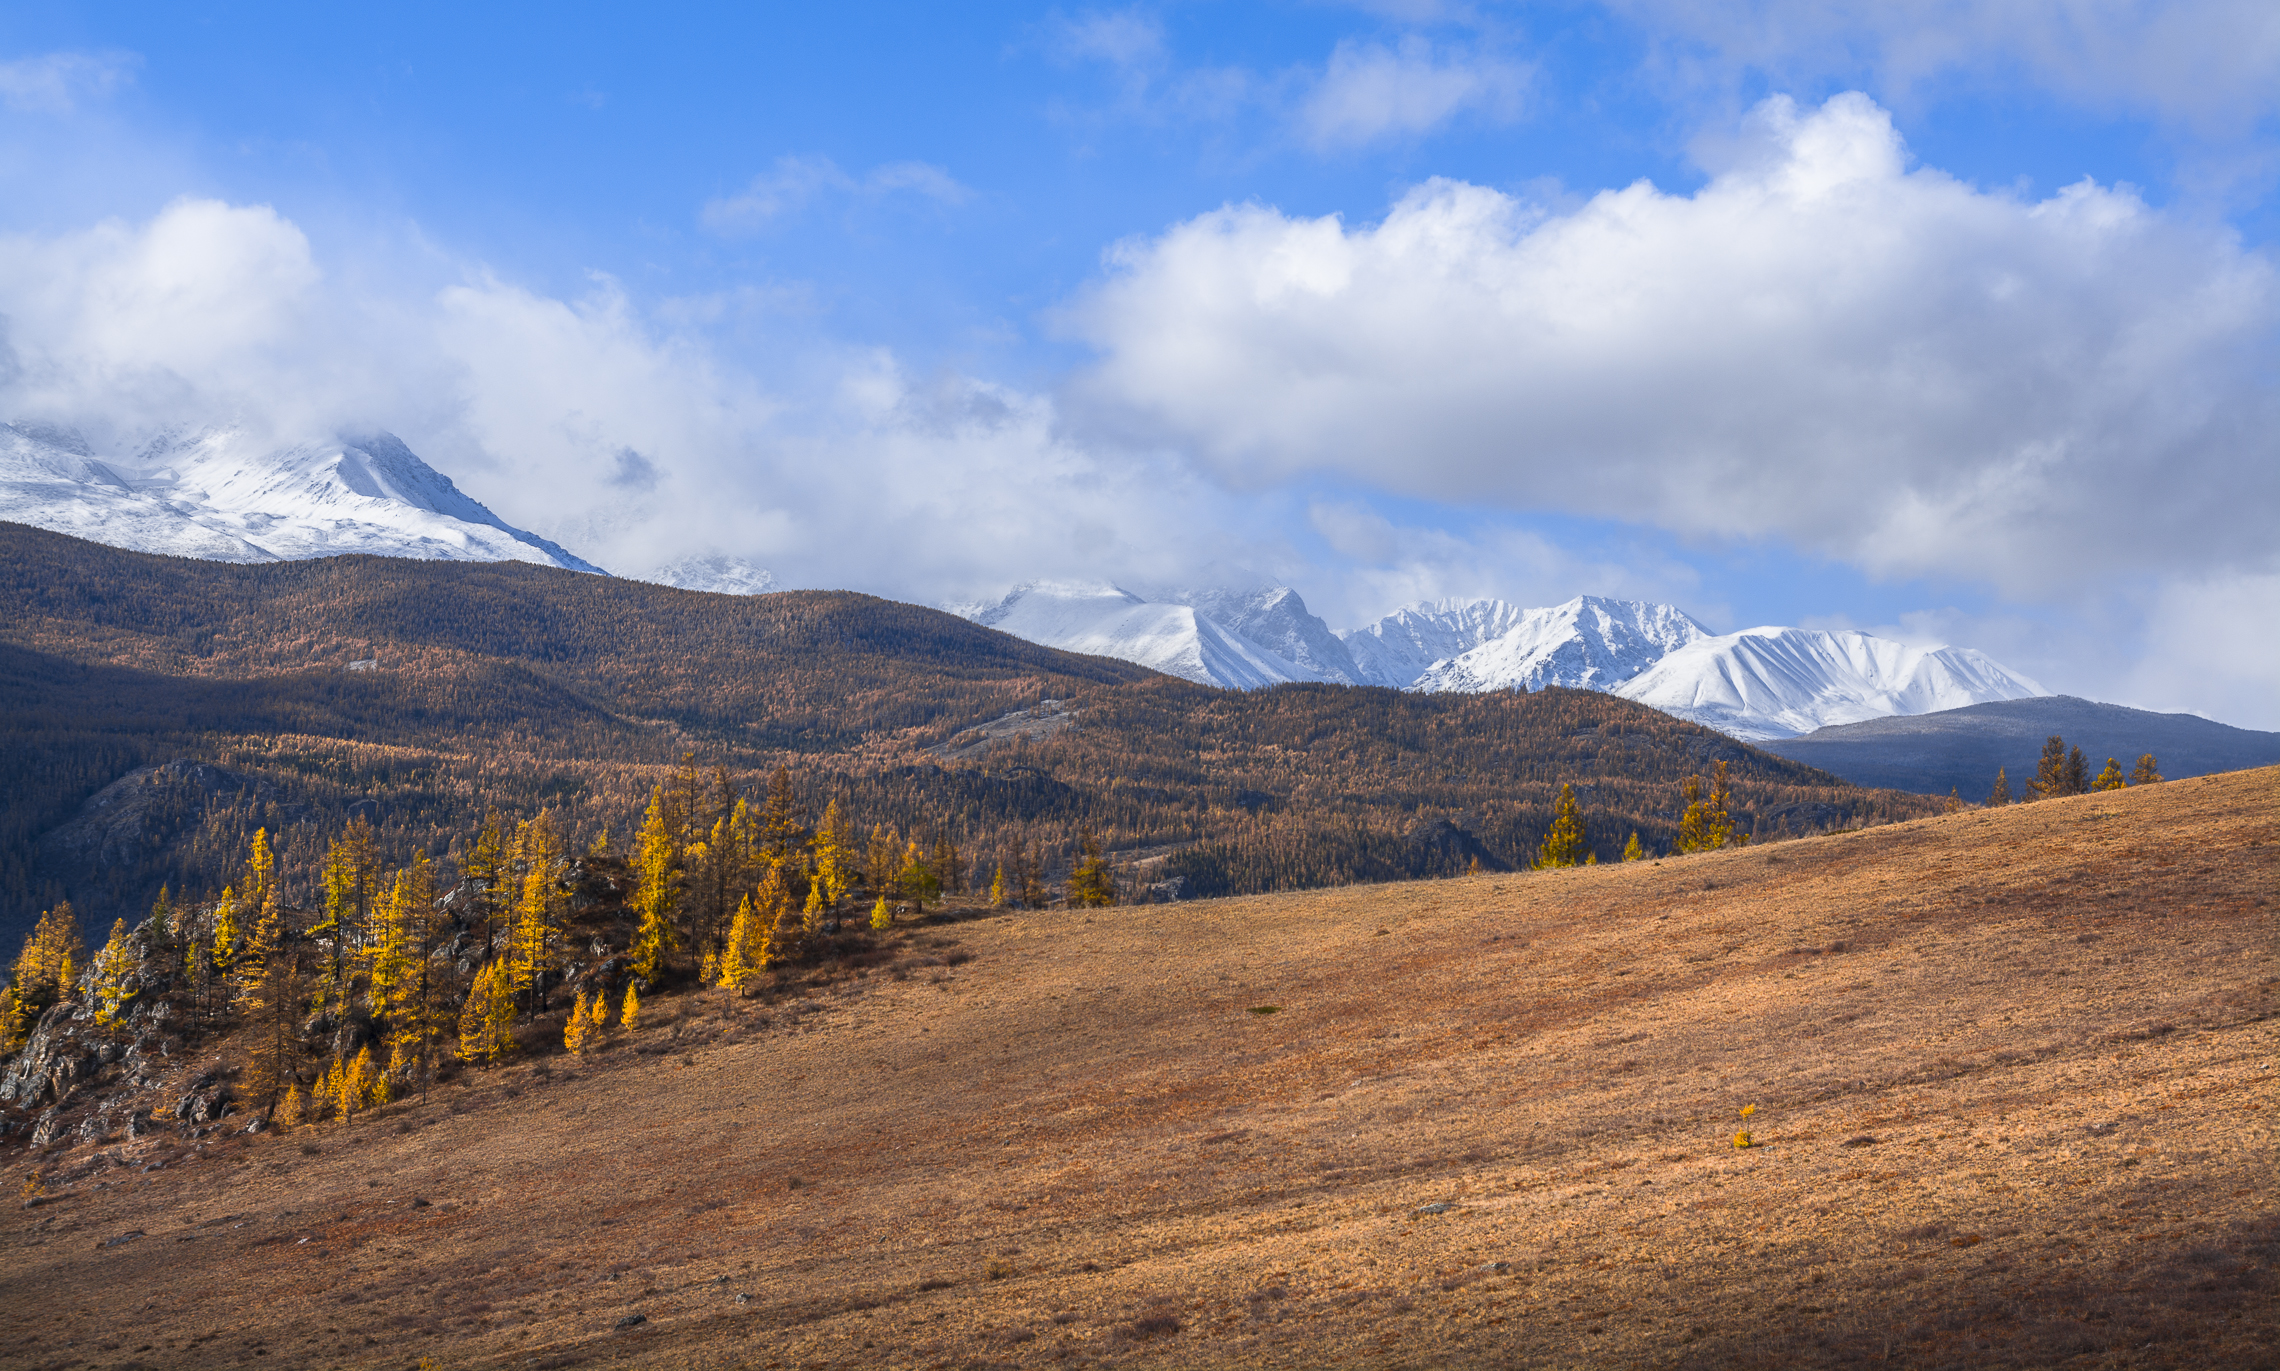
(422, 693)
(2009, 1074)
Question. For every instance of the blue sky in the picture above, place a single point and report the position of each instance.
(1943, 319)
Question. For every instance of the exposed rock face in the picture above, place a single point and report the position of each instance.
(120, 823)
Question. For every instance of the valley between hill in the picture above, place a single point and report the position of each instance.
(2013, 1074)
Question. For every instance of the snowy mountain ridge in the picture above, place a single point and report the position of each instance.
(1108, 621)
(222, 495)
(1760, 683)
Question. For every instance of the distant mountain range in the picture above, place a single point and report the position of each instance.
(1960, 749)
(1757, 684)
(221, 495)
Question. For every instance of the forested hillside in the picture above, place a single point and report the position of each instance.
(420, 695)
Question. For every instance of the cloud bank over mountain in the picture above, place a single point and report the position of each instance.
(1824, 348)
(1881, 365)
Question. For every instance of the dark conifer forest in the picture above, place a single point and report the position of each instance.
(155, 712)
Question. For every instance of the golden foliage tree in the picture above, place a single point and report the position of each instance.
(2110, 778)
(2001, 794)
(916, 880)
(487, 1018)
(114, 967)
(579, 1032)
(1563, 843)
(1090, 885)
(43, 974)
(656, 891)
(1632, 852)
(2147, 771)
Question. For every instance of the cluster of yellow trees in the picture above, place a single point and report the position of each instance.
(1705, 826)
(721, 887)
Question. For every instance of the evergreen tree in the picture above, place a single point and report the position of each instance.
(1090, 885)
(2050, 769)
(1632, 852)
(2110, 778)
(2077, 772)
(656, 893)
(2001, 794)
(2148, 772)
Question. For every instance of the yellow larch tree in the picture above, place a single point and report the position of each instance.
(656, 891)
(1563, 841)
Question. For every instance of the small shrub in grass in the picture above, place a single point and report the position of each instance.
(1151, 1326)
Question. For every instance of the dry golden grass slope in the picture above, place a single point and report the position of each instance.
(2013, 1074)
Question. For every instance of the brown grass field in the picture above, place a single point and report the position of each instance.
(2013, 1077)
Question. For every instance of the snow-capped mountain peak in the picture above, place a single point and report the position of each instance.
(1764, 683)
(1590, 642)
(225, 495)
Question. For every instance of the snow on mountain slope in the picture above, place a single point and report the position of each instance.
(721, 575)
(1590, 642)
(1275, 618)
(1764, 683)
(222, 496)
(1108, 621)
(1400, 647)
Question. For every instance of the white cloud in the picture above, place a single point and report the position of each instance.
(1369, 91)
(629, 438)
(797, 182)
(58, 82)
(1382, 565)
(1881, 365)
(2207, 647)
